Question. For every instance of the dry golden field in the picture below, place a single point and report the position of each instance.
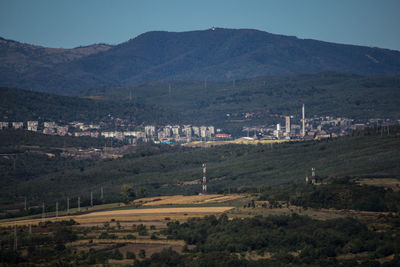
(131, 215)
(182, 200)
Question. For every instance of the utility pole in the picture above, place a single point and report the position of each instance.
(91, 198)
(15, 159)
(204, 184)
(43, 212)
(303, 132)
(15, 237)
(101, 193)
(79, 203)
(313, 181)
(67, 205)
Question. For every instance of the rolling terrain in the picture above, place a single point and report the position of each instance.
(164, 170)
(214, 55)
(196, 103)
(324, 94)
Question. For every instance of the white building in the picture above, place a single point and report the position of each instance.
(287, 124)
(3, 125)
(211, 130)
(150, 131)
(175, 130)
(203, 131)
(196, 130)
(167, 131)
(49, 124)
(32, 126)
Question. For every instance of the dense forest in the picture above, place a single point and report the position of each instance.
(324, 94)
(222, 104)
(22, 105)
(339, 193)
(292, 240)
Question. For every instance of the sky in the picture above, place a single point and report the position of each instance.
(72, 23)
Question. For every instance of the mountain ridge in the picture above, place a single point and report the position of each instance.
(215, 55)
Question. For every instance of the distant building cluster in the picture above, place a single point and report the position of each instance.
(286, 127)
(148, 133)
(314, 128)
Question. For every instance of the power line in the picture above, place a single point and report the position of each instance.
(67, 205)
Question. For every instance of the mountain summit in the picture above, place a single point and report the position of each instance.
(215, 54)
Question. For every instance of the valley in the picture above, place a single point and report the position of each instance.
(215, 147)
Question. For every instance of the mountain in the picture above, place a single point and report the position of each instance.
(213, 55)
(18, 59)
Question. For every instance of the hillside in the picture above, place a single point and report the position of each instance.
(219, 55)
(165, 170)
(22, 105)
(324, 94)
(19, 59)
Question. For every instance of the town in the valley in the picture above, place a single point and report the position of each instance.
(289, 128)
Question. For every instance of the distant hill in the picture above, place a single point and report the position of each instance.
(22, 105)
(18, 59)
(213, 55)
(324, 94)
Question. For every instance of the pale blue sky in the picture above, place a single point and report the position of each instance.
(71, 23)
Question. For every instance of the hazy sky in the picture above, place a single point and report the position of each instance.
(71, 23)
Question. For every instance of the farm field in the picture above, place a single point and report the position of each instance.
(120, 235)
(130, 215)
(144, 210)
(188, 200)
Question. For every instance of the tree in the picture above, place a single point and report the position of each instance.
(142, 192)
(130, 255)
(128, 192)
(142, 253)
